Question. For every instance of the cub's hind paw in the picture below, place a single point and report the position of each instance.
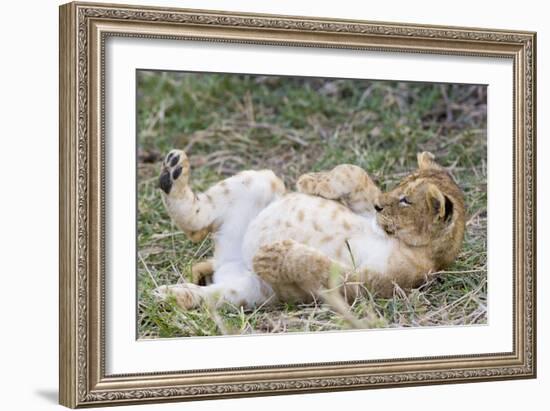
(175, 171)
(202, 273)
(187, 295)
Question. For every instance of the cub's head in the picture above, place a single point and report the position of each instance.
(426, 209)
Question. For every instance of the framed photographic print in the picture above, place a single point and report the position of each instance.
(259, 204)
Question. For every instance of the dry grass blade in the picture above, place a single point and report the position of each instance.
(148, 271)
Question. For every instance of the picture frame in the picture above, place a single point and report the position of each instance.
(85, 28)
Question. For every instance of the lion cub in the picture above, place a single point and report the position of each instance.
(271, 245)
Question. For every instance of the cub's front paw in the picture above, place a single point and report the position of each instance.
(175, 172)
(315, 184)
(187, 295)
(306, 183)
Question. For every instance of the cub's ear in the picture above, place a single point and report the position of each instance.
(426, 160)
(439, 204)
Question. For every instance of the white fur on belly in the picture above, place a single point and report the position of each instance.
(321, 224)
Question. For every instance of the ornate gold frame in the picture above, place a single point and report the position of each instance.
(83, 30)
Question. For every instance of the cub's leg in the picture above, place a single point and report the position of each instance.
(288, 265)
(346, 183)
(231, 202)
(237, 286)
(287, 261)
(187, 295)
(193, 213)
(295, 270)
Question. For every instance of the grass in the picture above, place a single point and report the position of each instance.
(228, 123)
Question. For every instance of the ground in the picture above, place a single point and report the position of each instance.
(229, 123)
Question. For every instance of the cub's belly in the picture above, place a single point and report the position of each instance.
(319, 223)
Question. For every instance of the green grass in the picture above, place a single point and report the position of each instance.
(228, 123)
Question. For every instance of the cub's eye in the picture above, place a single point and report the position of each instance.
(404, 201)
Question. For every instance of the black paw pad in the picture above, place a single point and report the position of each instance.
(176, 173)
(165, 182)
(174, 160)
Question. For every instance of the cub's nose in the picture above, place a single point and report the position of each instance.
(378, 208)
